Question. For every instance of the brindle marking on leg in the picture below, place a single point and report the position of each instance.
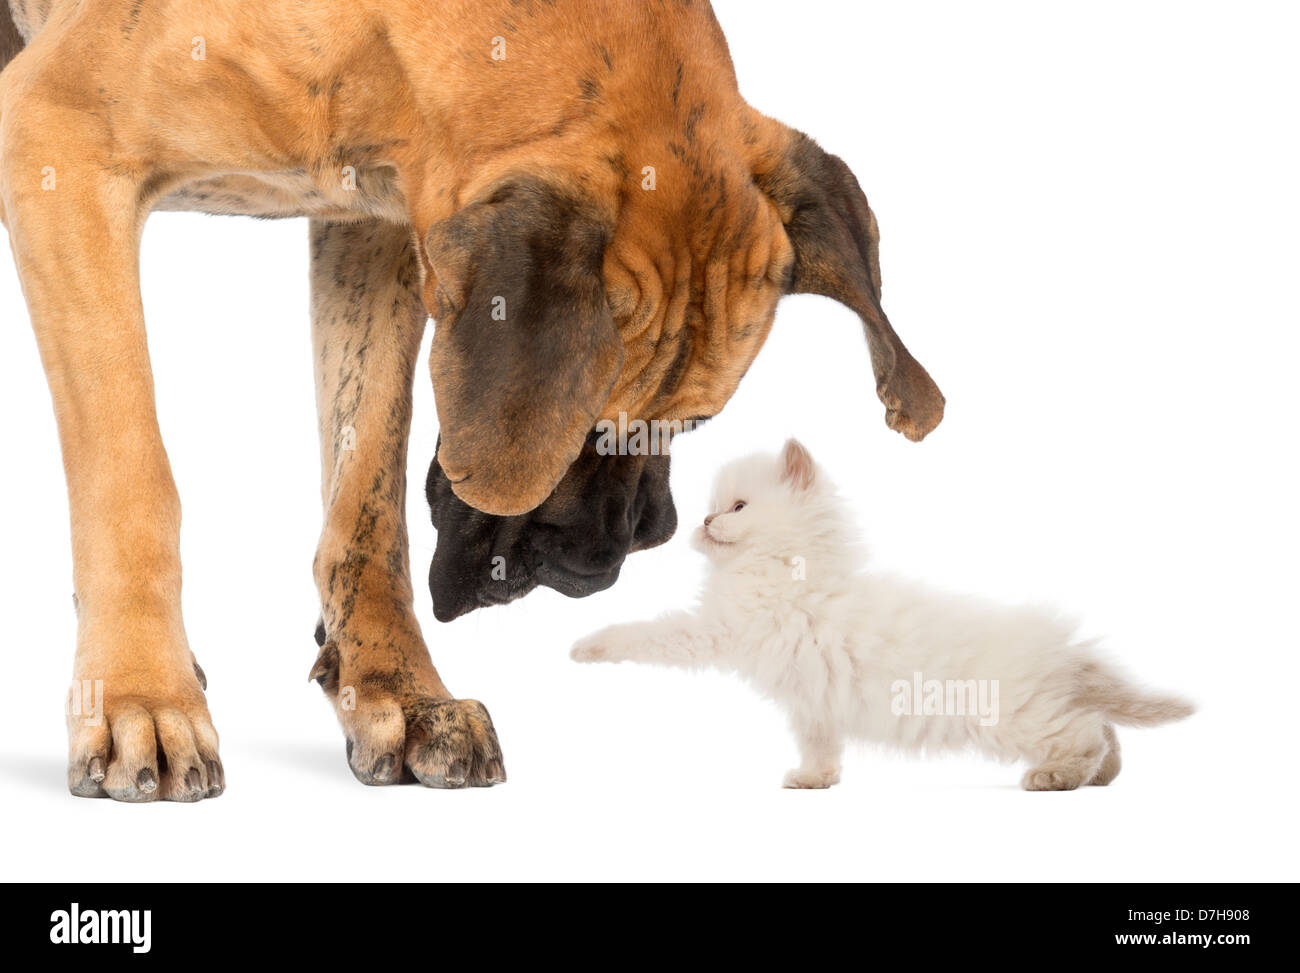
(368, 319)
(132, 18)
(393, 680)
(693, 119)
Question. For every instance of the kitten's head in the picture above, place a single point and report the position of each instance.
(772, 507)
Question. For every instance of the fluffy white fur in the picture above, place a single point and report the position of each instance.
(786, 607)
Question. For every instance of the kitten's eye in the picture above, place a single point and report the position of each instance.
(738, 506)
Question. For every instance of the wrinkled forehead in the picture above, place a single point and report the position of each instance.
(694, 291)
(696, 224)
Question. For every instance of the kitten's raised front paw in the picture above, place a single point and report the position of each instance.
(811, 780)
(593, 648)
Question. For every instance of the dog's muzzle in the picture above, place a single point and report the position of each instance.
(605, 508)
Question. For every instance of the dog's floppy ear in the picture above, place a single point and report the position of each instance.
(837, 255)
(525, 350)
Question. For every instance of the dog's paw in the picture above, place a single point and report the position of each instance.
(442, 743)
(451, 743)
(810, 780)
(139, 747)
(397, 734)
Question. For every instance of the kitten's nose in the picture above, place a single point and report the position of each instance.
(709, 519)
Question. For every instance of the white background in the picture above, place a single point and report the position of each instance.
(1090, 239)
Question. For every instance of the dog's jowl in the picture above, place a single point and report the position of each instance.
(577, 193)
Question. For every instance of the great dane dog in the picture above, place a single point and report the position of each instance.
(575, 191)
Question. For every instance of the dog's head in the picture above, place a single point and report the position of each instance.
(624, 293)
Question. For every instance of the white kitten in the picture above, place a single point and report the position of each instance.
(871, 657)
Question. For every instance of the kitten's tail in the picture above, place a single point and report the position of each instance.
(1109, 693)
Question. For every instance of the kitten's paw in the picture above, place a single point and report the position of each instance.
(1048, 778)
(594, 648)
(811, 780)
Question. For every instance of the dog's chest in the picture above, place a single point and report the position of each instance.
(349, 193)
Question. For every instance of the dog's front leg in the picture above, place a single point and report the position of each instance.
(399, 720)
(138, 723)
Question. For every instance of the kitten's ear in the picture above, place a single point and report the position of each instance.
(797, 465)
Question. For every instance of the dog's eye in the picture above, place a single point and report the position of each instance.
(738, 506)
